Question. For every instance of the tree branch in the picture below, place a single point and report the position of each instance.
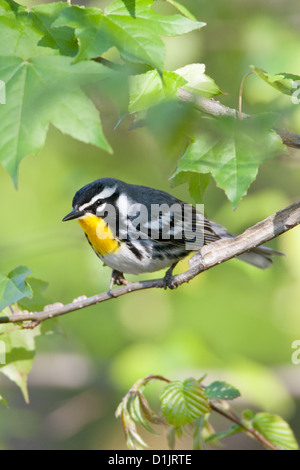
(209, 256)
(236, 420)
(217, 109)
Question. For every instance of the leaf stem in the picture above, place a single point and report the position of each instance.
(241, 93)
(227, 414)
(235, 419)
(230, 415)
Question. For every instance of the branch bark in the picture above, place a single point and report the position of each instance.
(209, 256)
(217, 109)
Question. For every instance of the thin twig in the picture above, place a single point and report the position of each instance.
(217, 109)
(230, 415)
(241, 93)
(209, 256)
(234, 419)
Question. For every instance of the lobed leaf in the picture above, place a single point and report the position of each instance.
(14, 287)
(182, 9)
(132, 26)
(61, 38)
(231, 151)
(197, 183)
(37, 301)
(148, 89)
(46, 90)
(19, 33)
(20, 351)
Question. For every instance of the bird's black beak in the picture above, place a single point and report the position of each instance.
(75, 214)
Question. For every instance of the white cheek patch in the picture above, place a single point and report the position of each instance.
(100, 210)
(104, 194)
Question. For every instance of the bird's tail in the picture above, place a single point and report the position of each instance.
(260, 257)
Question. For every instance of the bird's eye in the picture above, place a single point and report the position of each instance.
(99, 202)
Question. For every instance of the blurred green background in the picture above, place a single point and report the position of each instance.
(233, 322)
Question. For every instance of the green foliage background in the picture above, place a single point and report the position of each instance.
(233, 322)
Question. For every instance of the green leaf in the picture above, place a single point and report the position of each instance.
(131, 26)
(197, 183)
(276, 430)
(19, 35)
(62, 38)
(148, 89)
(283, 82)
(198, 434)
(248, 414)
(231, 152)
(19, 354)
(6, 8)
(184, 11)
(215, 437)
(136, 411)
(170, 121)
(2, 400)
(133, 439)
(183, 402)
(38, 301)
(13, 6)
(221, 391)
(34, 100)
(13, 287)
(197, 82)
(171, 437)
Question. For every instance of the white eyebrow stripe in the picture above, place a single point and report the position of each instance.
(107, 192)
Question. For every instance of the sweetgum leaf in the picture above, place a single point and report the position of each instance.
(46, 90)
(132, 26)
(14, 287)
(63, 38)
(19, 35)
(231, 153)
(151, 88)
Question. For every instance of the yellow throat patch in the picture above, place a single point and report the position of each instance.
(99, 234)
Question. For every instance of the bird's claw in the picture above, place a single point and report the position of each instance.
(169, 279)
(118, 279)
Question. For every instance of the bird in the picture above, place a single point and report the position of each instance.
(136, 229)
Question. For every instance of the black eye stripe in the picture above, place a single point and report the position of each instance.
(95, 205)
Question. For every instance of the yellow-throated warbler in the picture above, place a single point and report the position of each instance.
(135, 229)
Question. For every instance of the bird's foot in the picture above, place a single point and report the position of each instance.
(169, 280)
(117, 278)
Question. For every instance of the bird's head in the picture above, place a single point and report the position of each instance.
(92, 198)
